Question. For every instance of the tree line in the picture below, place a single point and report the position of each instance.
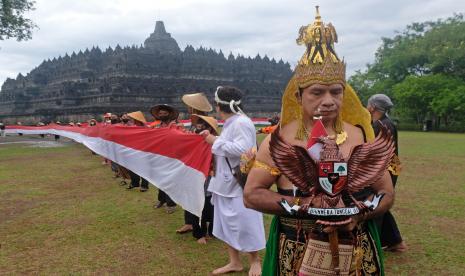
(423, 70)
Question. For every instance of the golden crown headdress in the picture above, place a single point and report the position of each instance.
(320, 63)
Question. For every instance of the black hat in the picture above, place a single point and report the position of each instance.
(174, 113)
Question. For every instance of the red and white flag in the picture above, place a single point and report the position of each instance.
(174, 161)
(313, 147)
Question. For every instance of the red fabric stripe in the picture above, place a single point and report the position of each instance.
(189, 148)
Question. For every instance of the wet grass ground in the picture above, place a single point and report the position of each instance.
(61, 212)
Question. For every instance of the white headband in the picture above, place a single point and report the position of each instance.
(233, 104)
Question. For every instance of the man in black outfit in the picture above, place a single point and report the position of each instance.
(167, 115)
(378, 106)
(199, 225)
(137, 119)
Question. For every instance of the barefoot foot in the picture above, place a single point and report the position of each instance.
(184, 229)
(255, 269)
(228, 269)
(202, 240)
(400, 247)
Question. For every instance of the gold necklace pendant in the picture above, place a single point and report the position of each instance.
(341, 137)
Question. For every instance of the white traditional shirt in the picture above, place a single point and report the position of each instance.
(238, 136)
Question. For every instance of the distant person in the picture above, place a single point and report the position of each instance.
(124, 119)
(137, 118)
(204, 227)
(167, 115)
(122, 171)
(92, 122)
(197, 104)
(274, 121)
(40, 124)
(379, 106)
(107, 118)
(56, 136)
(115, 119)
(20, 124)
(2, 130)
(106, 121)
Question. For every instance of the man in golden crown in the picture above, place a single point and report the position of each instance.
(330, 171)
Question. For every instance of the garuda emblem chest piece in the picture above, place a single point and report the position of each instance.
(332, 169)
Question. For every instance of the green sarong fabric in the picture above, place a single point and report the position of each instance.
(270, 262)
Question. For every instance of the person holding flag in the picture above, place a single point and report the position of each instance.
(167, 115)
(239, 227)
(137, 118)
(200, 229)
(197, 104)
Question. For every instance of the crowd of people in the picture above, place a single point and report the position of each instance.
(298, 243)
(166, 116)
(224, 215)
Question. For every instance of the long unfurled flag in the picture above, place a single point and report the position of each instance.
(318, 131)
(174, 161)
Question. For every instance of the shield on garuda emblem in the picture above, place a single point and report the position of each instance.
(332, 177)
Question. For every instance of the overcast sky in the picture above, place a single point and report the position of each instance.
(247, 27)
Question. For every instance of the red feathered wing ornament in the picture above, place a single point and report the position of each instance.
(294, 162)
(366, 165)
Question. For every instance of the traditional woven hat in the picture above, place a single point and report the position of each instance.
(174, 113)
(197, 101)
(209, 120)
(138, 116)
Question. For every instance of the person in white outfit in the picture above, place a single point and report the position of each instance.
(240, 228)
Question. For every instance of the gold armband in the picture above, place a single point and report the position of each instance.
(395, 167)
(272, 170)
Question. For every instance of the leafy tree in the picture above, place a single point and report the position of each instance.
(13, 23)
(435, 96)
(450, 104)
(423, 69)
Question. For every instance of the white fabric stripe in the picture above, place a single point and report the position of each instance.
(182, 183)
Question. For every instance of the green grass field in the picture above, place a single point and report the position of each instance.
(61, 212)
